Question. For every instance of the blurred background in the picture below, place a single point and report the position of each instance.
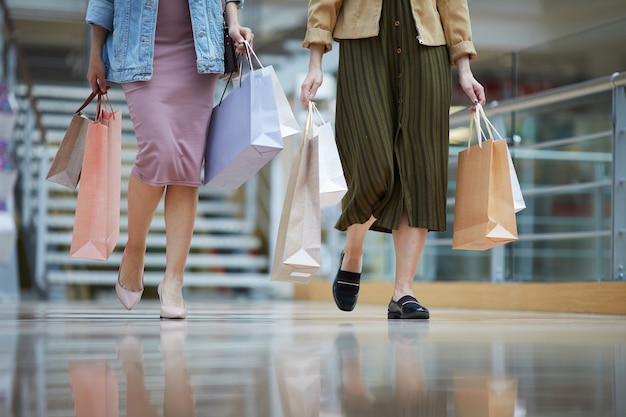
(553, 70)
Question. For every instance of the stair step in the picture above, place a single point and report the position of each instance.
(205, 192)
(215, 225)
(222, 208)
(225, 249)
(67, 92)
(240, 243)
(152, 279)
(235, 261)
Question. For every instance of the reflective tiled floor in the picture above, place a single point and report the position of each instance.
(303, 359)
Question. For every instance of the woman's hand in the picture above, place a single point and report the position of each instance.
(238, 33)
(315, 76)
(96, 74)
(470, 86)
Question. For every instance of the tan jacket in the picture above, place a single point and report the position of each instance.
(439, 22)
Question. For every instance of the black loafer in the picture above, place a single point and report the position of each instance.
(346, 288)
(407, 307)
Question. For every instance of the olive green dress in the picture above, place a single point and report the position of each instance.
(392, 125)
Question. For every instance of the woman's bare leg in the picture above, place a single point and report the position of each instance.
(181, 203)
(353, 249)
(143, 200)
(409, 243)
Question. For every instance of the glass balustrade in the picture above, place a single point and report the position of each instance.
(563, 154)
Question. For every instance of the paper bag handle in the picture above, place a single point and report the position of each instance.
(477, 116)
(103, 102)
(88, 100)
(248, 54)
(490, 127)
(308, 124)
(317, 112)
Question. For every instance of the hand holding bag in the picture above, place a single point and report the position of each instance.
(484, 215)
(332, 180)
(97, 218)
(297, 256)
(68, 161)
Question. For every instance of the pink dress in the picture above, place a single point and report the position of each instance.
(171, 111)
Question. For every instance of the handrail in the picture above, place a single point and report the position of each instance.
(14, 40)
(545, 98)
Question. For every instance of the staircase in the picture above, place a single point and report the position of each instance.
(228, 249)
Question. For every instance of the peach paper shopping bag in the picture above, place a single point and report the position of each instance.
(97, 218)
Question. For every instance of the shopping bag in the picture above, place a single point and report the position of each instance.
(288, 123)
(97, 218)
(68, 161)
(484, 216)
(297, 256)
(94, 389)
(332, 180)
(298, 378)
(244, 133)
(518, 199)
(477, 395)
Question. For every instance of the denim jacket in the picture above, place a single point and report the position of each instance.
(129, 48)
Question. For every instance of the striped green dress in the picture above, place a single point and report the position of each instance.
(392, 125)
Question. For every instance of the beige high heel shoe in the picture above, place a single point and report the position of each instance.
(170, 312)
(128, 298)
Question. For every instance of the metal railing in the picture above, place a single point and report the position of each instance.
(534, 244)
(614, 84)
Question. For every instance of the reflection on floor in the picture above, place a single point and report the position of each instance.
(306, 359)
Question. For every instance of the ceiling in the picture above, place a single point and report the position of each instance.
(499, 27)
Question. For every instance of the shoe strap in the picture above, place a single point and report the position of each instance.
(407, 299)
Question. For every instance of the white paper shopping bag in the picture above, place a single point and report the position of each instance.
(244, 133)
(332, 180)
(288, 123)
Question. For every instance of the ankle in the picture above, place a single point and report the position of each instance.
(398, 293)
(352, 261)
(171, 293)
(130, 274)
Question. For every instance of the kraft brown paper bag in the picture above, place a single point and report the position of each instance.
(68, 161)
(484, 396)
(97, 218)
(518, 198)
(484, 215)
(298, 246)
